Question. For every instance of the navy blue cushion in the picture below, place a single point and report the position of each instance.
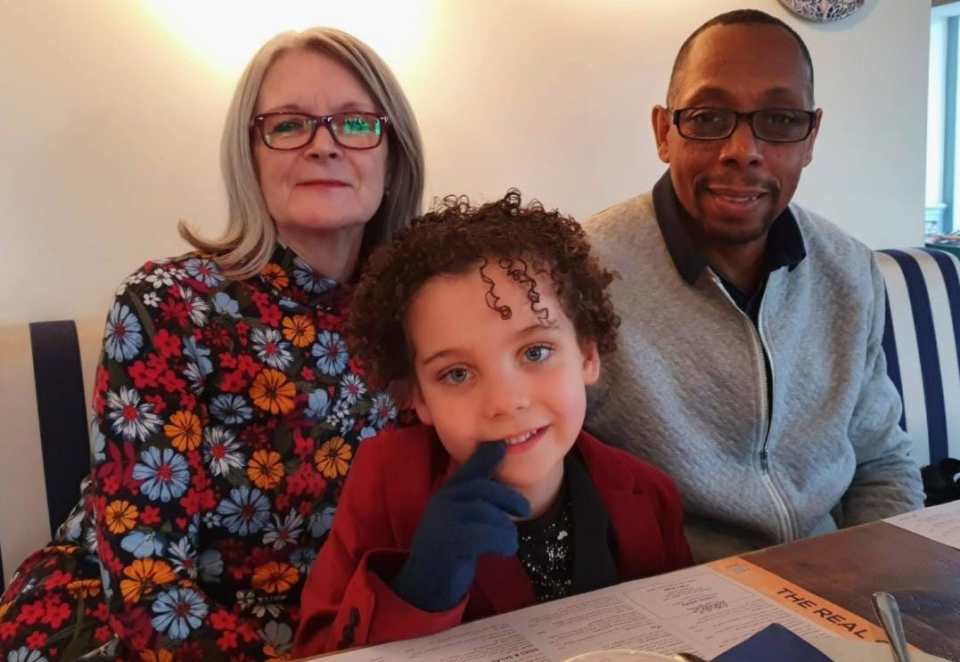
(64, 438)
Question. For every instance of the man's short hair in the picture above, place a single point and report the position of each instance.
(735, 17)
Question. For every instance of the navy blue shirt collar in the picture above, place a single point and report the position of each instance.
(785, 246)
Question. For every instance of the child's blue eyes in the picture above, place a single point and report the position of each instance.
(455, 376)
(537, 353)
(532, 354)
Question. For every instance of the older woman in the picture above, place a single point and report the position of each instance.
(226, 408)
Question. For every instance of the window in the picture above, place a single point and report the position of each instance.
(943, 175)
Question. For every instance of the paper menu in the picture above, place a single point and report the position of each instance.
(704, 610)
(940, 523)
(796, 599)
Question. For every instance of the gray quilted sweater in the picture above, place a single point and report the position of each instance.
(687, 390)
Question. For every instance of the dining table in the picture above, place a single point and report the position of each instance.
(820, 588)
(846, 567)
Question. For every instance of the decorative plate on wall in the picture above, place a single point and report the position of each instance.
(822, 11)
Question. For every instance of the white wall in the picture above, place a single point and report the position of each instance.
(111, 112)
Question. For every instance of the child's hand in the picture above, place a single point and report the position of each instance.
(468, 516)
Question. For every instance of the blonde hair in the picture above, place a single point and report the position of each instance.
(247, 243)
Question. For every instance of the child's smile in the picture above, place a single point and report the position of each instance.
(522, 442)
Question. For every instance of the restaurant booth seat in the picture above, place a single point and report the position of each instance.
(47, 372)
(922, 345)
(46, 380)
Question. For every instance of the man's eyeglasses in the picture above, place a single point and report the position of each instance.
(774, 125)
(353, 130)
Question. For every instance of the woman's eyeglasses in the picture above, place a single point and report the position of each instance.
(352, 130)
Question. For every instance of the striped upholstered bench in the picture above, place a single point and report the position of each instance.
(922, 345)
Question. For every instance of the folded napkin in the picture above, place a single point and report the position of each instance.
(773, 642)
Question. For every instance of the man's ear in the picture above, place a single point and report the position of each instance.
(660, 118)
(591, 362)
(419, 404)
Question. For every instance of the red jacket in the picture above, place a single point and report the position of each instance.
(347, 599)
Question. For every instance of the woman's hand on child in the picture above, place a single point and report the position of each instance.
(468, 516)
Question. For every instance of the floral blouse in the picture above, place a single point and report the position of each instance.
(225, 417)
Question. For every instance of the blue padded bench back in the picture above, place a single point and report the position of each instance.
(64, 439)
(53, 353)
(921, 343)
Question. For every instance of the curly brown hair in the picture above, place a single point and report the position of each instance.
(524, 241)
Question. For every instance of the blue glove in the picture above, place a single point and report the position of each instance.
(468, 516)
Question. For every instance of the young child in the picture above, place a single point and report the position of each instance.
(490, 322)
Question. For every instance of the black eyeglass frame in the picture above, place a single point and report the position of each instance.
(810, 114)
(315, 121)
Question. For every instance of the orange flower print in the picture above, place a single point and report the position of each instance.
(162, 655)
(275, 275)
(333, 458)
(265, 469)
(273, 655)
(84, 588)
(274, 577)
(184, 431)
(142, 576)
(121, 516)
(271, 391)
(4, 609)
(299, 330)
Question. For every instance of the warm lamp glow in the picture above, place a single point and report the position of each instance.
(227, 34)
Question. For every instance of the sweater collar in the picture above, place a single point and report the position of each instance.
(594, 562)
(785, 247)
